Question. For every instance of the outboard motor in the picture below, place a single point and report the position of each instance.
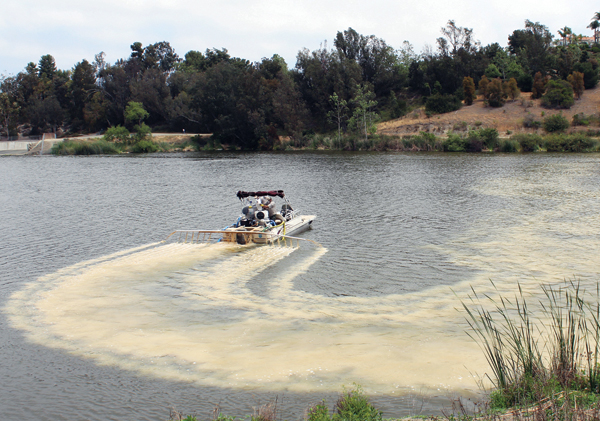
(262, 217)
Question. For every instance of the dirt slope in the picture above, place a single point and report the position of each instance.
(507, 118)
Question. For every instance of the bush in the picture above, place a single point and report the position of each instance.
(116, 134)
(142, 132)
(559, 94)
(455, 143)
(590, 73)
(440, 104)
(490, 138)
(530, 122)
(580, 120)
(556, 123)
(509, 145)
(81, 147)
(578, 142)
(528, 142)
(144, 146)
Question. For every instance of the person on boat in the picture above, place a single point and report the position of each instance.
(267, 204)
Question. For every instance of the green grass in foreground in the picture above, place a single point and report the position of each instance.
(546, 365)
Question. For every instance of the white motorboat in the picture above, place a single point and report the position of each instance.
(261, 222)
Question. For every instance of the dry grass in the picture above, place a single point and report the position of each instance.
(507, 118)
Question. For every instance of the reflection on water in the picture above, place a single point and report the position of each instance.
(406, 238)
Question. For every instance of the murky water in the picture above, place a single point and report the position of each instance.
(102, 321)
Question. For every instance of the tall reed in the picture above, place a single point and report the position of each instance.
(533, 357)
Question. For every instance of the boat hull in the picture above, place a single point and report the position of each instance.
(260, 235)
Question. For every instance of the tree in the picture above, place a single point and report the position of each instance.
(83, 86)
(565, 33)
(483, 86)
(533, 46)
(576, 81)
(8, 110)
(492, 72)
(456, 38)
(538, 86)
(339, 113)
(9, 106)
(47, 67)
(595, 25)
(364, 118)
(511, 89)
(134, 111)
(469, 90)
(495, 94)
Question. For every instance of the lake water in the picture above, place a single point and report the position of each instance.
(102, 321)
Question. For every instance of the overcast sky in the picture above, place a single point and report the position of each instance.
(72, 30)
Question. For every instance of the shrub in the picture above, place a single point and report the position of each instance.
(116, 134)
(490, 137)
(580, 120)
(455, 143)
(81, 147)
(351, 406)
(578, 142)
(590, 73)
(528, 142)
(142, 132)
(556, 123)
(145, 146)
(530, 122)
(198, 141)
(559, 94)
(440, 104)
(509, 145)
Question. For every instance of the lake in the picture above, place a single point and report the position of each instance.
(100, 320)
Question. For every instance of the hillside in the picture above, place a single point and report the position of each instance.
(507, 118)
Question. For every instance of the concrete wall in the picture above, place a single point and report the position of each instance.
(15, 145)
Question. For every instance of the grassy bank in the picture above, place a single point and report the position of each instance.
(479, 140)
(104, 147)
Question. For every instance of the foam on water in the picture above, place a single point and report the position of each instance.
(188, 312)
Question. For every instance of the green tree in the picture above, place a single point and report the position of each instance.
(339, 113)
(492, 72)
(47, 67)
(364, 118)
(134, 112)
(83, 86)
(565, 33)
(595, 25)
(533, 46)
(469, 90)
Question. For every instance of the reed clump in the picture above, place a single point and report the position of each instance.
(81, 147)
(544, 364)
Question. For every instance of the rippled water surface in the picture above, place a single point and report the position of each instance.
(102, 321)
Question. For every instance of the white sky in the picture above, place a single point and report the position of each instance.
(71, 30)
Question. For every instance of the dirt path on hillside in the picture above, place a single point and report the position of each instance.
(507, 118)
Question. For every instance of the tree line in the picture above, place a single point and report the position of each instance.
(249, 105)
